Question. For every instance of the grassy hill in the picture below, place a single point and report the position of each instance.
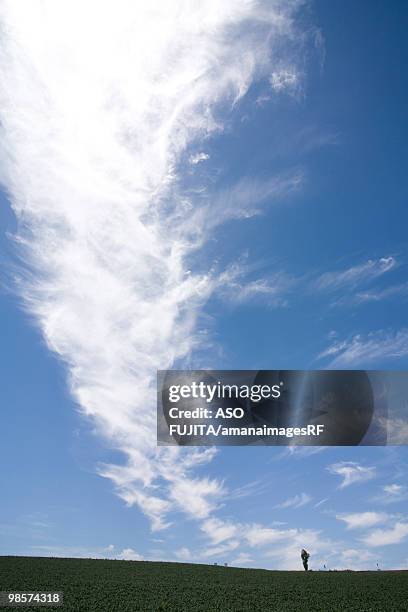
(108, 586)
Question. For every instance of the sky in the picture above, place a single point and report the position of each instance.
(197, 185)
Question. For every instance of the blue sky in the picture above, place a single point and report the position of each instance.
(288, 206)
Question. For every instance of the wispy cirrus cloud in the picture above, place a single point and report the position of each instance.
(92, 141)
(236, 288)
(356, 285)
(300, 452)
(351, 472)
(391, 493)
(400, 290)
(247, 198)
(351, 277)
(297, 501)
(360, 349)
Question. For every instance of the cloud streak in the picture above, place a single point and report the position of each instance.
(99, 103)
(298, 501)
(371, 348)
(351, 277)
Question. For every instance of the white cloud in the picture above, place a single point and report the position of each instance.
(351, 472)
(99, 103)
(321, 502)
(234, 287)
(197, 158)
(285, 80)
(196, 496)
(71, 552)
(362, 520)
(218, 530)
(259, 288)
(396, 428)
(282, 545)
(225, 536)
(356, 559)
(242, 559)
(184, 554)
(128, 554)
(391, 494)
(298, 501)
(355, 275)
(280, 548)
(381, 294)
(300, 452)
(250, 489)
(384, 537)
(221, 549)
(258, 535)
(286, 554)
(245, 199)
(107, 552)
(375, 346)
(393, 489)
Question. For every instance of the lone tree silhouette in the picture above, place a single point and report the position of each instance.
(304, 555)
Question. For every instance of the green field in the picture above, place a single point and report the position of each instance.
(107, 586)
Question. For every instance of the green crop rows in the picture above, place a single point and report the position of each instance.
(108, 586)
